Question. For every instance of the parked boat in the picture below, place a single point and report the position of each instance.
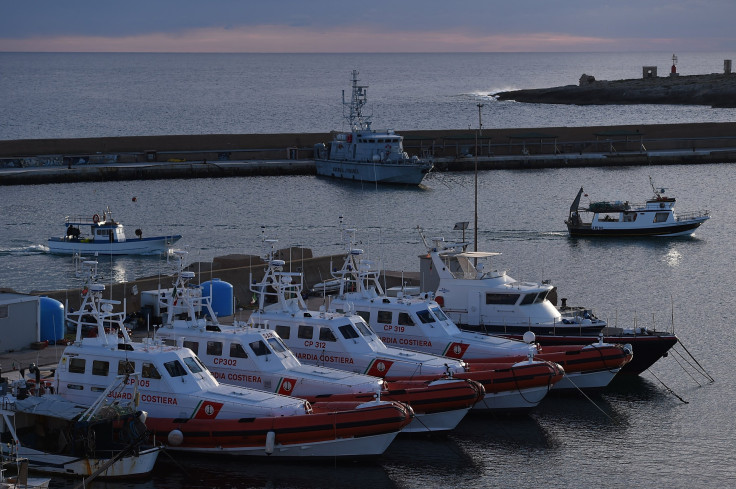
(257, 358)
(656, 217)
(60, 437)
(106, 237)
(367, 155)
(418, 321)
(483, 299)
(191, 411)
(343, 340)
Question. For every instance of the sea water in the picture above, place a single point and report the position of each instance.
(635, 433)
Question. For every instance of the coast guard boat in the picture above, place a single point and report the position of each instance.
(420, 322)
(257, 358)
(366, 155)
(191, 411)
(487, 300)
(106, 237)
(343, 340)
(656, 217)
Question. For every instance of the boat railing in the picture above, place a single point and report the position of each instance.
(84, 220)
(686, 216)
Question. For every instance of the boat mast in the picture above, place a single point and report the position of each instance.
(355, 117)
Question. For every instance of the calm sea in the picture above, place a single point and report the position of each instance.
(634, 433)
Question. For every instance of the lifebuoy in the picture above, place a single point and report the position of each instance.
(96, 218)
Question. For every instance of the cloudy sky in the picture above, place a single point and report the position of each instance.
(367, 26)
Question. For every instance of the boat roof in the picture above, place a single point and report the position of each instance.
(50, 405)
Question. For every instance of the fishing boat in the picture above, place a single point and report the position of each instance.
(60, 437)
(190, 411)
(656, 217)
(257, 358)
(106, 237)
(343, 340)
(418, 320)
(479, 298)
(367, 155)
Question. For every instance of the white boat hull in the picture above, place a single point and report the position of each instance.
(378, 172)
(435, 422)
(48, 463)
(158, 244)
(366, 446)
(512, 400)
(586, 380)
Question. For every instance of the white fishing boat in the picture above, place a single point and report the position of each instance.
(106, 237)
(656, 217)
(417, 320)
(189, 410)
(56, 436)
(367, 155)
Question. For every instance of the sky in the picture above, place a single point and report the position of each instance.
(323, 26)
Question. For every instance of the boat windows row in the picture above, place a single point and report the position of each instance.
(513, 299)
(148, 370)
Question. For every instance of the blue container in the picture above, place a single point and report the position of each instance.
(52, 320)
(222, 296)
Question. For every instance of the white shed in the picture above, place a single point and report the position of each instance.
(20, 321)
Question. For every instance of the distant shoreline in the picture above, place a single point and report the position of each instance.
(715, 90)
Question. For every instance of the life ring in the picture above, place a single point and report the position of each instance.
(96, 218)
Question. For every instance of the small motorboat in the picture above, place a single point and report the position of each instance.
(59, 437)
(366, 155)
(18, 466)
(106, 237)
(656, 217)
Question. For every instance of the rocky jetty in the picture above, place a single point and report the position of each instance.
(716, 90)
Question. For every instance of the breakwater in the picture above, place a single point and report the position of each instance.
(154, 157)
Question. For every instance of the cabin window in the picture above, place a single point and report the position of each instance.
(100, 367)
(214, 348)
(283, 331)
(97, 389)
(192, 345)
(77, 365)
(528, 299)
(126, 367)
(305, 332)
(384, 317)
(175, 368)
(541, 297)
(366, 315)
(326, 334)
(237, 351)
(148, 371)
(3, 312)
(440, 315)
(348, 332)
(259, 348)
(277, 345)
(405, 319)
(364, 329)
(505, 299)
(661, 216)
(194, 365)
(425, 316)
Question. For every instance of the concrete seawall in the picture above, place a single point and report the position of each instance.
(208, 156)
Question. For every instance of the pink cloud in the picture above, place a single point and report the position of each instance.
(280, 38)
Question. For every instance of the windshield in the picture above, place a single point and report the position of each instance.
(440, 315)
(194, 367)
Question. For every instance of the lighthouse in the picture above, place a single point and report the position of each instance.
(673, 71)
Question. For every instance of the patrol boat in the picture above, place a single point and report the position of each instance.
(343, 340)
(257, 358)
(191, 411)
(418, 321)
(367, 155)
